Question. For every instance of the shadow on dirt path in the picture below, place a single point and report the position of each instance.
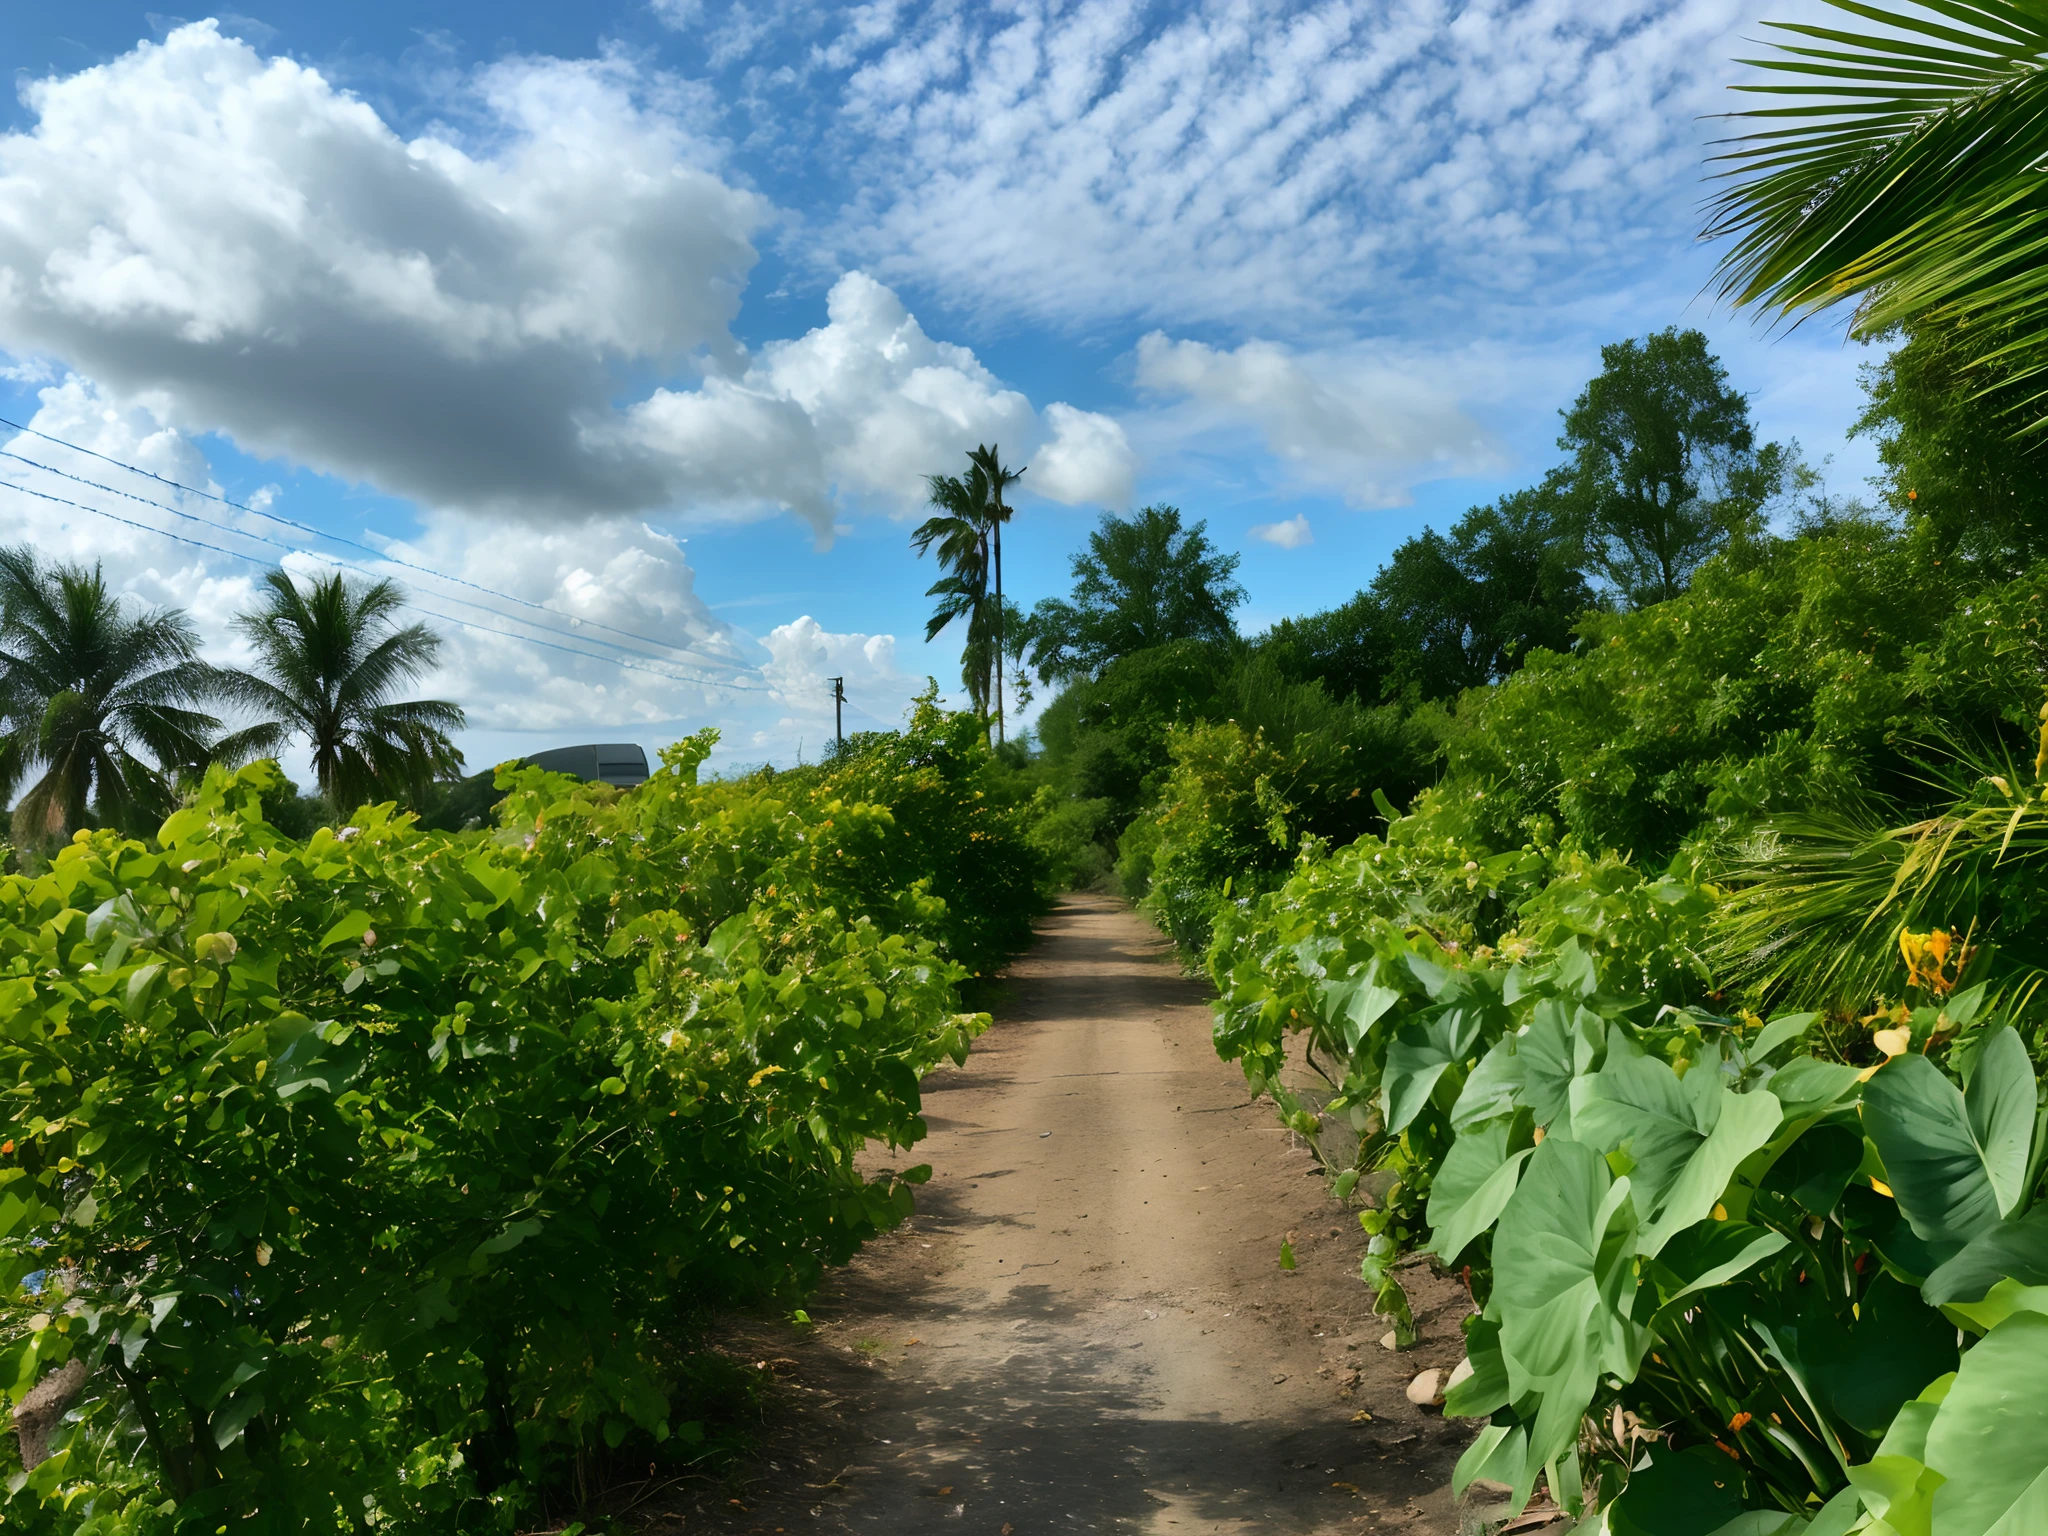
(1086, 1327)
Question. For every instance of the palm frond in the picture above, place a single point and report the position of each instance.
(1818, 899)
(1897, 170)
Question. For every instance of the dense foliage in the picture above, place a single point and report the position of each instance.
(381, 1179)
(1718, 1267)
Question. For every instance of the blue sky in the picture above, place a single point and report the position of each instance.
(639, 322)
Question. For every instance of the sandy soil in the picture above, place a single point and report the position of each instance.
(1086, 1326)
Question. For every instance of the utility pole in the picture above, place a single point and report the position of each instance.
(838, 704)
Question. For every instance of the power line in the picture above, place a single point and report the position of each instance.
(307, 528)
(263, 538)
(482, 629)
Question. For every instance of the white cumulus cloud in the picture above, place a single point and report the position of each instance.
(1291, 533)
(1339, 419)
(251, 250)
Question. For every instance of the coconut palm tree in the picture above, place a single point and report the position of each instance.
(988, 462)
(959, 534)
(330, 655)
(84, 685)
(1899, 169)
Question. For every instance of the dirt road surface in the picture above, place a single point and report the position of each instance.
(1086, 1326)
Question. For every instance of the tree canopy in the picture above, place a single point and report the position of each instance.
(1664, 469)
(1143, 581)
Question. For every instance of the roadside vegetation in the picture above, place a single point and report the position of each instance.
(1683, 994)
(1633, 893)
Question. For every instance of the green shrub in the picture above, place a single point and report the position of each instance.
(374, 1179)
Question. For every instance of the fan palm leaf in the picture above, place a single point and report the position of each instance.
(1818, 899)
(1900, 173)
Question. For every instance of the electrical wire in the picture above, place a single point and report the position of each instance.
(307, 528)
(263, 538)
(446, 618)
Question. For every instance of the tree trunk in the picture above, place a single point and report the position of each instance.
(43, 1409)
(999, 624)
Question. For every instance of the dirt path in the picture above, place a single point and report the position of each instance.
(1086, 1326)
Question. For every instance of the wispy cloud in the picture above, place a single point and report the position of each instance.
(1265, 158)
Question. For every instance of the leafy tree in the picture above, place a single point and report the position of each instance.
(330, 656)
(1951, 460)
(1898, 170)
(1105, 736)
(1469, 605)
(1352, 649)
(960, 532)
(1664, 467)
(83, 686)
(1143, 581)
(1448, 611)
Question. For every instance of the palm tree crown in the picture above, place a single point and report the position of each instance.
(968, 534)
(83, 685)
(987, 461)
(329, 657)
(960, 534)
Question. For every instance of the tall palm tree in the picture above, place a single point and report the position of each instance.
(987, 461)
(959, 531)
(83, 685)
(329, 657)
(1901, 171)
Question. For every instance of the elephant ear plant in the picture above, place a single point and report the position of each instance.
(1726, 1283)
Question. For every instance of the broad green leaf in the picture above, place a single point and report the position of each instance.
(2016, 1249)
(1638, 1105)
(1420, 1054)
(2002, 1100)
(1474, 1183)
(1990, 1439)
(1494, 1088)
(1808, 1087)
(1485, 1391)
(1499, 1455)
(1999, 1303)
(1556, 1047)
(1900, 1491)
(1952, 1160)
(1355, 1006)
(349, 929)
(1711, 1253)
(1564, 1287)
(1746, 1123)
(1780, 1031)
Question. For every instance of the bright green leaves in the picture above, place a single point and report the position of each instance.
(1418, 1057)
(312, 1178)
(1956, 1160)
(1990, 1436)
(1564, 1290)
(1474, 1184)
